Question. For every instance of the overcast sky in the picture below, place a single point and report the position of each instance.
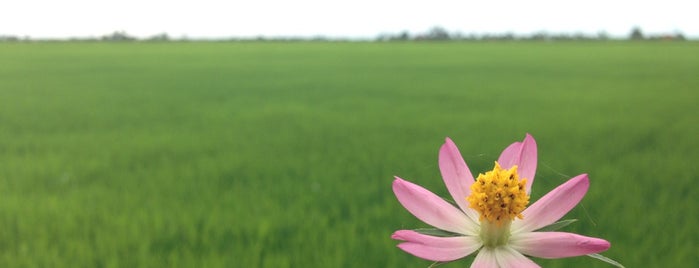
(341, 18)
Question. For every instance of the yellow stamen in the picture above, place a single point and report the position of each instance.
(499, 195)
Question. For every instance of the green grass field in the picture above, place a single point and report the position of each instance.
(282, 154)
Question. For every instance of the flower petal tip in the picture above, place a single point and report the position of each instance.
(598, 245)
(448, 148)
(401, 184)
(398, 184)
(582, 180)
(593, 245)
(528, 136)
(401, 235)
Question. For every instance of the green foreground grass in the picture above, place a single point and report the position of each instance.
(282, 154)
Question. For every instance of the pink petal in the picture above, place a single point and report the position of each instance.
(436, 248)
(485, 259)
(523, 154)
(508, 257)
(557, 244)
(457, 177)
(432, 209)
(553, 205)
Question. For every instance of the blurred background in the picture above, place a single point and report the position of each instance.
(267, 134)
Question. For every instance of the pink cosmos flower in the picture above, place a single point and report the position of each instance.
(492, 217)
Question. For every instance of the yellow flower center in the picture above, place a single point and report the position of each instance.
(499, 195)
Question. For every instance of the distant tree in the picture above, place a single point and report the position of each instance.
(383, 37)
(437, 33)
(636, 34)
(507, 36)
(403, 36)
(9, 38)
(118, 36)
(161, 37)
(679, 36)
(539, 36)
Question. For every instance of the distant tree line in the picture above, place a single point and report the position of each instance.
(116, 36)
(436, 33)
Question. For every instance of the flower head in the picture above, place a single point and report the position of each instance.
(492, 216)
(499, 195)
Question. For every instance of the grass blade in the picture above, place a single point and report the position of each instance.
(557, 225)
(605, 259)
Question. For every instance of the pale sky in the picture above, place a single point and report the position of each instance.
(341, 18)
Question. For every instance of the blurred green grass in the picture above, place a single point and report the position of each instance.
(282, 154)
